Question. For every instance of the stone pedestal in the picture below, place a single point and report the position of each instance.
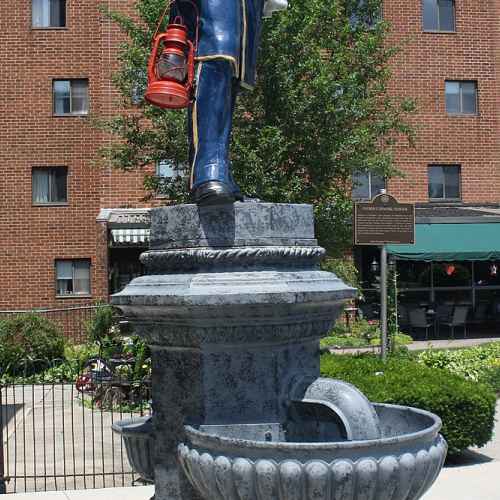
(233, 306)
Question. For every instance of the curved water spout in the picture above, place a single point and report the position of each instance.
(336, 409)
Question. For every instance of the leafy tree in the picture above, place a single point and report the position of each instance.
(320, 111)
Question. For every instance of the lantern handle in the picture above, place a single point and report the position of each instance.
(167, 7)
(158, 26)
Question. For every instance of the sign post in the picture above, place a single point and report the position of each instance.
(379, 222)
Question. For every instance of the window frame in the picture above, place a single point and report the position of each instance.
(438, 30)
(64, 27)
(73, 295)
(370, 188)
(461, 113)
(445, 199)
(158, 165)
(71, 113)
(49, 203)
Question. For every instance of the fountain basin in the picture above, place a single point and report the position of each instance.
(401, 465)
(137, 434)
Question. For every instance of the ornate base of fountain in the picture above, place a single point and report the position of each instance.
(401, 465)
(233, 307)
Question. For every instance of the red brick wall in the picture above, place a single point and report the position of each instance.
(420, 71)
(33, 237)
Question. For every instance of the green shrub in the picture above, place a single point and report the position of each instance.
(103, 329)
(466, 408)
(481, 363)
(29, 343)
(361, 333)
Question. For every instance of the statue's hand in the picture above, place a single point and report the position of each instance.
(271, 6)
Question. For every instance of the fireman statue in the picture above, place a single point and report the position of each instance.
(226, 34)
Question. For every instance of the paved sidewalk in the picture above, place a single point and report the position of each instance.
(421, 345)
(136, 493)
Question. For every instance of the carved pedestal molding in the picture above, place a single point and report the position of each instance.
(233, 306)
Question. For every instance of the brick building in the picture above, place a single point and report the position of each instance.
(72, 229)
(449, 63)
(56, 62)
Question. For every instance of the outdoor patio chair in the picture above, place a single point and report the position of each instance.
(418, 319)
(481, 311)
(444, 312)
(459, 318)
(403, 318)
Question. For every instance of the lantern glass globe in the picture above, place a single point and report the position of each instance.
(172, 67)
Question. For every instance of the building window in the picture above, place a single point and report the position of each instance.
(438, 15)
(165, 169)
(364, 15)
(73, 277)
(71, 97)
(444, 182)
(461, 97)
(366, 185)
(49, 185)
(48, 13)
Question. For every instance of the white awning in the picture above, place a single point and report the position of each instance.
(130, 237)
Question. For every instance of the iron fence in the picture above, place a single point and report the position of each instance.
(58, 436)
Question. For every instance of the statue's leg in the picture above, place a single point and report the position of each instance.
(211, 122)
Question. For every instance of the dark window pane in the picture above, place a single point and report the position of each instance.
(62, 97)
(487, 273)
(452, 298)
(57, 13)
(377, 184)
(452, 90)
(430, 14)
(452, 182)
(361, 186)
(452, 273)
(469, 97)
(60, 182)
(446, 15)
(414, 274)
(436, 183)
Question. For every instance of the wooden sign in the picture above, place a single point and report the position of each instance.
(384, 220)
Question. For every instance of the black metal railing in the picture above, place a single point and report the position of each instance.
(58, 436)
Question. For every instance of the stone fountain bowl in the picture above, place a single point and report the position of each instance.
(401, 465)
(137, 434)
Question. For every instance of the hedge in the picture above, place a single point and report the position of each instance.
(466, 408)
(28, 343)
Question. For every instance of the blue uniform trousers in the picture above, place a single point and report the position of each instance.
(227, 53)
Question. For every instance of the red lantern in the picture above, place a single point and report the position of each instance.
(171, 73)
